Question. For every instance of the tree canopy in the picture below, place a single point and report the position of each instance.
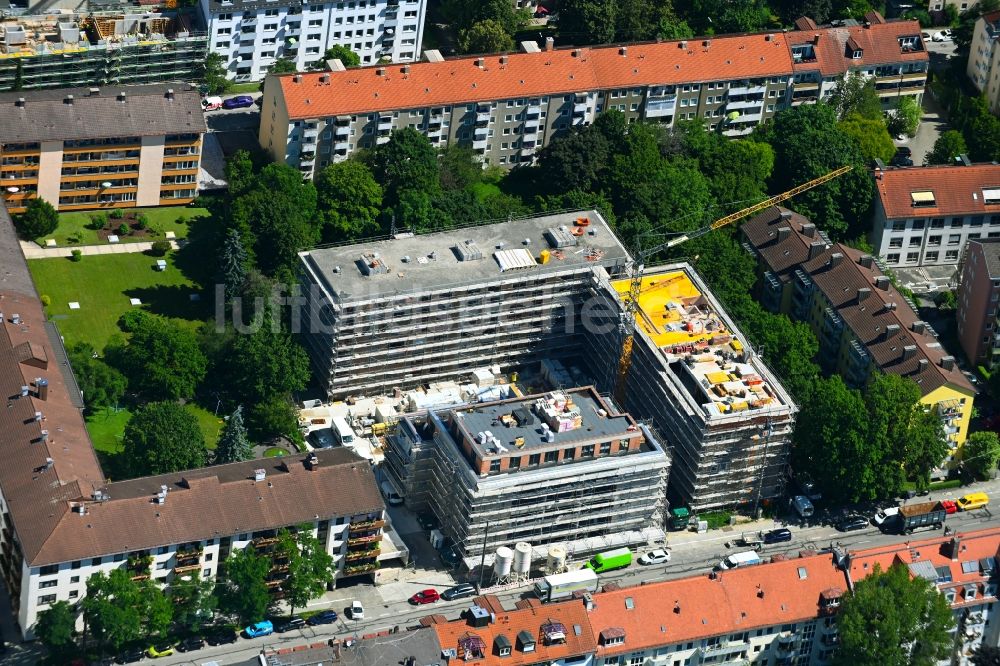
(350, 200)
(101, 385)
(194, 602)
(310, 567)
(870, 135)
(981, 453)
(38, 219)
(487, 36)
(244, 593)
(234, 444)
(215, 74)
(55, 628)
(119, 611)
(163, 437)
(949, 145)
(855, 95)
(892, 618)
(337, 52)
(407, 169)
(162, 360)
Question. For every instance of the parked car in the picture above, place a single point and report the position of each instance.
(460, 591)
(938, 37)
(191, 644)
(885, 516)
(905, 151)
(852, 523)
(950, 506)
(130, 656)
(973, 501)
(291, 624)
(778, 536)
(238, 102)
(449, 557)
(901, 161)
(221, 636)
(658, 556)
(428, 521)
(356, 610)
(263, 628)
(211, 103)
(155, 653)
(323, 617)
(428, 596)
(925, 35)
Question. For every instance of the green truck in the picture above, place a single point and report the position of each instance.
(679, 519)
(609, 561)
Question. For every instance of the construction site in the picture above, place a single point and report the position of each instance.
(103, 48)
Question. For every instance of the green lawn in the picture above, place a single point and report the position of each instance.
(73, 229)
(103, 285)
(244, 88)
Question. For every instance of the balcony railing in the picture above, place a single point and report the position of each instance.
(367, 525)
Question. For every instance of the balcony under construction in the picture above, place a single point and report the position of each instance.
(67, 50)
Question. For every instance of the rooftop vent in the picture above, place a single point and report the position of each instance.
(170, 93)
(312, 462)
(550, 43)
(468, 250)
(558, 238)
(68, 99)
(297, 78)
(406, 69)
(882, 282)
(19, 102)
(372, 264)
(95, 92)
(259, 474)
(42, 388)
(682, 45)
(121, 97)
(809, 229)
(835, 259)
(380, 71)
(948, 362)
(480, 62)
(324, 78)
(909, 351)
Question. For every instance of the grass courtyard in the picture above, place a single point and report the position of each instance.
(72, 229)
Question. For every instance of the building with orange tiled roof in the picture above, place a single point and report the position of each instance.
(507, 106)
(861, 320)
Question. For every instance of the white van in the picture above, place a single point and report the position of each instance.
(803, 506)
(747, 558)
(391, 496)
(211, 103)
(343, 434)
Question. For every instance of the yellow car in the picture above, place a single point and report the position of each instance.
(973, 501)
(153, 653)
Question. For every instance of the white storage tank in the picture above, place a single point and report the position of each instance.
(522, 558)
(556, 561)
(502, 563)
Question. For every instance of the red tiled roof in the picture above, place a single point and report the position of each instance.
(878, 43)
(461, 80)
(958, 190)
(782, 255)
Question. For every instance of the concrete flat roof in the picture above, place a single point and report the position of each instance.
(427, 262)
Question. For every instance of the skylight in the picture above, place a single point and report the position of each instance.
(922, 198)
(991, 195)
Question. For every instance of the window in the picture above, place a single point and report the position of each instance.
(74, 579)
(912, 257)
(895, 242)
(96, 562)
(934, 240)
(569, 454)
(951, 255)
(551, 456)
(899, 225)
(534, 459)
(208, 557)
(956, 222)
(605, 448)
(73, 594)
(495, 465)
(922, 198)
(937, 223)
(514, 463)
(49, 570)
(931, 256)
(915, 241)
(954, 239)
(46, 599)
(917, 224)
(207, 573)
(46, 584)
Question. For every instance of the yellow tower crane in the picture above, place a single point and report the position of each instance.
(635, 286)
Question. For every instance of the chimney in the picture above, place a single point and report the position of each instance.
(783, 234)
(948, 362)
(68, 99)
(297, 78)
(121, 96)
(38, 417)
(785, 215)
(577, 52)
(170, 93)
(816, 38)
(922, 364)
(882, 282)
(707, 43)
(503, 61)
(623, 51)
(891, 330)
(954, 547)
(918, 327)
(863, 293)
(909, 351)
(312, 462)
(835, 259)
(682, 45)
(550, 43)
(890, 306)
(95, 92)
(406, 69)
(324, 78)
(380, 71)
(816, 248)
(809, 229)
(768, 38)
(480, 62)
(865, 260)
(19, 102)
(42, 388)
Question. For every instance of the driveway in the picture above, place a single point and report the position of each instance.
(932, 124)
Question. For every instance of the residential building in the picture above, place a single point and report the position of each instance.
(506, 107)
(924, 216)
(413, 309)
(561, 467)
(251, 35)
(978, 295)
(415, 647)
(101, 148)
(984, 58)
(99, 49)
(62, 521)
(724, 415)
(960, 5)
(862, 322)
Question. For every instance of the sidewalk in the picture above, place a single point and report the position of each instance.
(33, 251)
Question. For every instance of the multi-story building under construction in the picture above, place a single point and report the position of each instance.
(97, 49)
(386, 315)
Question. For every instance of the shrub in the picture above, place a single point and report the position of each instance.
(117, 214)
(160, 248)
(77, 255)
(141, 221)
(131, 319)
(123, 230)
(183, 219)
(46, 300)
(98, 221)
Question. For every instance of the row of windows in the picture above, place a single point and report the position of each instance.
(553, 456)
(914, 257)
(939, 222)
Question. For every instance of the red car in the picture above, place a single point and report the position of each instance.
(950, 506)
(425, 597)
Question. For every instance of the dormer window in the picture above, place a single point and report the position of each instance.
(969, 593)
(612, 636)
(857, 54)
(502, 646)
(526, 641)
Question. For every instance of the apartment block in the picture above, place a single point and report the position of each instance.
(862, 322)
(62, 521)
(984, 58)
(101, 148)
(402, 312)
(925, 216)
(98, 49)
(978, 296)
(724, 415)
(506, 107)
(251, 34)
(561, 467)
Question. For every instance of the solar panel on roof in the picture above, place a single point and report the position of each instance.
(970, 567)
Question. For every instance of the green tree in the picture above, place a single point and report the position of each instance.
(737, 170)
(55, 628)
(337, 52)
(588, 21)
(101, 385)
(282, 66)
(840, 205)
(574, 161)
(310, 567)
(673, 28)
(947, 148)
(350, 201)
(239, 173)
(905, 117)
(892, 618)
(406, 167)
(233, 261)
(980, 128)
(486, 36)
(215, 75)
(272, 417)
(163, 437)
(38, 219)
(981, 453)
(162, 360)
(267, 362)
(234, 445)
(818, 10)
(459, 167)
(871, 136)
(194, 602)
(986, 655)
(244, 591)
(118, 611)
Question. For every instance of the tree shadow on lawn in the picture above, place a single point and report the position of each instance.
(174, 301)
(196, 258)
